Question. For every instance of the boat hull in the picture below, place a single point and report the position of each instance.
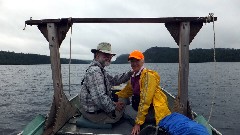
(122, 127)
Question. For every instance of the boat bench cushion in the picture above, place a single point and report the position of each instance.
(82, 122)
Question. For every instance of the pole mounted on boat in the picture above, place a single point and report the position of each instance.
(182, 29)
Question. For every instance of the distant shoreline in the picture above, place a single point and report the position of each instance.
(152, 55)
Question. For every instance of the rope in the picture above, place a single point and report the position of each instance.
(70, 59)
(215, 68)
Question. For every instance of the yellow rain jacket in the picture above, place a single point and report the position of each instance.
(150, 92)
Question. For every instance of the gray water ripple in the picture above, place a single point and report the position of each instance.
(27, 90)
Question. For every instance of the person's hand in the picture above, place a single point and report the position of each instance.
(136, 129)
(131, 72)
(119, 106)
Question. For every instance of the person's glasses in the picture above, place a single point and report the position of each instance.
(134, 60)
(107, 55)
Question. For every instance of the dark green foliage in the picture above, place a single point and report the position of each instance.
(12, 58)
(227, 55)
(199, 55)
(161, 55)
(207, 55)
(152, 55)
(121, 59)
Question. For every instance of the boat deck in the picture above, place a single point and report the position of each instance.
(122, 127)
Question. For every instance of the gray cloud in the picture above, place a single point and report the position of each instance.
(123, 37)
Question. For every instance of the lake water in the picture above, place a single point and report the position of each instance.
(27, 90)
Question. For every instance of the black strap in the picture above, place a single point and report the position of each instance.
(135, 102)
(84, 76)
(104, 79)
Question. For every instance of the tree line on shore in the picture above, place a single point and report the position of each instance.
(152, 55)
(171, 55)
(12, 58)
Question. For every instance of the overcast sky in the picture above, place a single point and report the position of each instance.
(123, 37)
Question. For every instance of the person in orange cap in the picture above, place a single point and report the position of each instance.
(149, 103)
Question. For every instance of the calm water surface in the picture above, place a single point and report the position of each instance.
(27, 90)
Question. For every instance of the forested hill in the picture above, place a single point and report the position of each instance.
(170, 55)
(12, 58)
(152, 55)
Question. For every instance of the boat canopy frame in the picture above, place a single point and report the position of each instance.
(182, 29)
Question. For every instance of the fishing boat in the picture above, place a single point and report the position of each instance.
(63, 115)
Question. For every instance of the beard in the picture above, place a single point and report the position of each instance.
(106, 63)
(103, 62)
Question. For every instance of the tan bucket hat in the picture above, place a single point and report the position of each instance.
(103, 47)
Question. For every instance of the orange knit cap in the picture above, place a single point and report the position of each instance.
(136, 54)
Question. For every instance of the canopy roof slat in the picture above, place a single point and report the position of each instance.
(123, 20)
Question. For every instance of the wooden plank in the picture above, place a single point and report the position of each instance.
(55, 61)
(122, 20)
(56, 73)
(61, 109)
(183, 66)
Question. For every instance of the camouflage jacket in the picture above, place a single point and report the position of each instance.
(95, 93)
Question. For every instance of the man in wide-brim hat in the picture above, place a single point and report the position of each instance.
(95, 94)
(103, 54)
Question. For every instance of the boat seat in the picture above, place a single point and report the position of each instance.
(82, 122)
